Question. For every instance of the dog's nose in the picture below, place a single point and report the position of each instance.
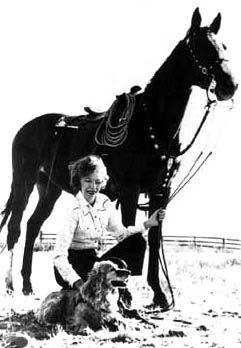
(123, 272)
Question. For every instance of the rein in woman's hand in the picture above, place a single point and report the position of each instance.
(155, 218)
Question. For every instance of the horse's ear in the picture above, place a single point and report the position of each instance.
(196, 20)
(214, 27)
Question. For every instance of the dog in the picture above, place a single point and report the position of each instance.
(94, 305)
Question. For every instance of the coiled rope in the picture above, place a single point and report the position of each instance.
(112, 135)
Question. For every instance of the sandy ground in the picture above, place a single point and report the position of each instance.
(207, 310)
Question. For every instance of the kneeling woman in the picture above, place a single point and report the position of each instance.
(90, 218)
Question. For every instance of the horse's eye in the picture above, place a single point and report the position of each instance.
(224, 46)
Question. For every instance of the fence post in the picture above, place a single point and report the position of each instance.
(195, 244)
(223, 243)
(41, 238)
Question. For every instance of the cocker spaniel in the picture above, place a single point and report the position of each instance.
(93, 305)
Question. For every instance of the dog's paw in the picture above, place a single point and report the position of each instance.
(125, 298)
(130, 313)
(113, 324)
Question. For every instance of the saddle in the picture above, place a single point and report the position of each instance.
(91, 116)
(78, 121)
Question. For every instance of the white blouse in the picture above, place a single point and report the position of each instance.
(84, 227)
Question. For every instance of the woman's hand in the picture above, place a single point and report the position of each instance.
(78, 284)
(155, 218)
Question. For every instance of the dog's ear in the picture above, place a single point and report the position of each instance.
(100, 269)
(93, 290)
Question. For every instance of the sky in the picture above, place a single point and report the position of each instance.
(59, 56)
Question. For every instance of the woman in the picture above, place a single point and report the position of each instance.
(91, 216)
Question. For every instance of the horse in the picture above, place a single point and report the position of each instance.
(137, 138)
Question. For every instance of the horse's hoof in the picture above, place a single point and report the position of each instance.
(9, 291)
(162, 307)
(27, 290)
(155, 308)
(9, 288)
(152, 307)
(159, 304)
(160, 300)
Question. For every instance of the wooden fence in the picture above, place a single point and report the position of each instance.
(195, 241)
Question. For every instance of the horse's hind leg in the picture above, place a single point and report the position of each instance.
(22, 187)
(48, 195)
(9, 273)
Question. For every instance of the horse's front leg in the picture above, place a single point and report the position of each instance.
(159, 195)
(154, 237)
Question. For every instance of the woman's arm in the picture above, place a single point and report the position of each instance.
(120, 232)
(64, 238)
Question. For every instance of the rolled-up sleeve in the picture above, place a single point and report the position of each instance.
(63, 242)
(118, 230)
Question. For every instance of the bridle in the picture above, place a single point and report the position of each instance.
(204, 69)
(208, 72)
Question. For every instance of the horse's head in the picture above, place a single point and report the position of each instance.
(208, 58)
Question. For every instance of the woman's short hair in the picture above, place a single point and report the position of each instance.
(86, 166)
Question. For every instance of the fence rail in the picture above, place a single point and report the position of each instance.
(196, 241)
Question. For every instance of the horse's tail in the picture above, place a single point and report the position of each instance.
(7, 211)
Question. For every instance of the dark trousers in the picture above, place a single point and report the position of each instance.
(131, 250)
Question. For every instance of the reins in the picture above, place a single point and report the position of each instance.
(161, 254)
(187, 178)
(208, 106)
(3, 247)
(210, 103)
(163, 263)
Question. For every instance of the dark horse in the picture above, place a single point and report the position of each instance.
(141, 157)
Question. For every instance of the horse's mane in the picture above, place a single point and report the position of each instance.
(164, 80)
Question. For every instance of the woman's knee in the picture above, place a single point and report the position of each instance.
(137, 241)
